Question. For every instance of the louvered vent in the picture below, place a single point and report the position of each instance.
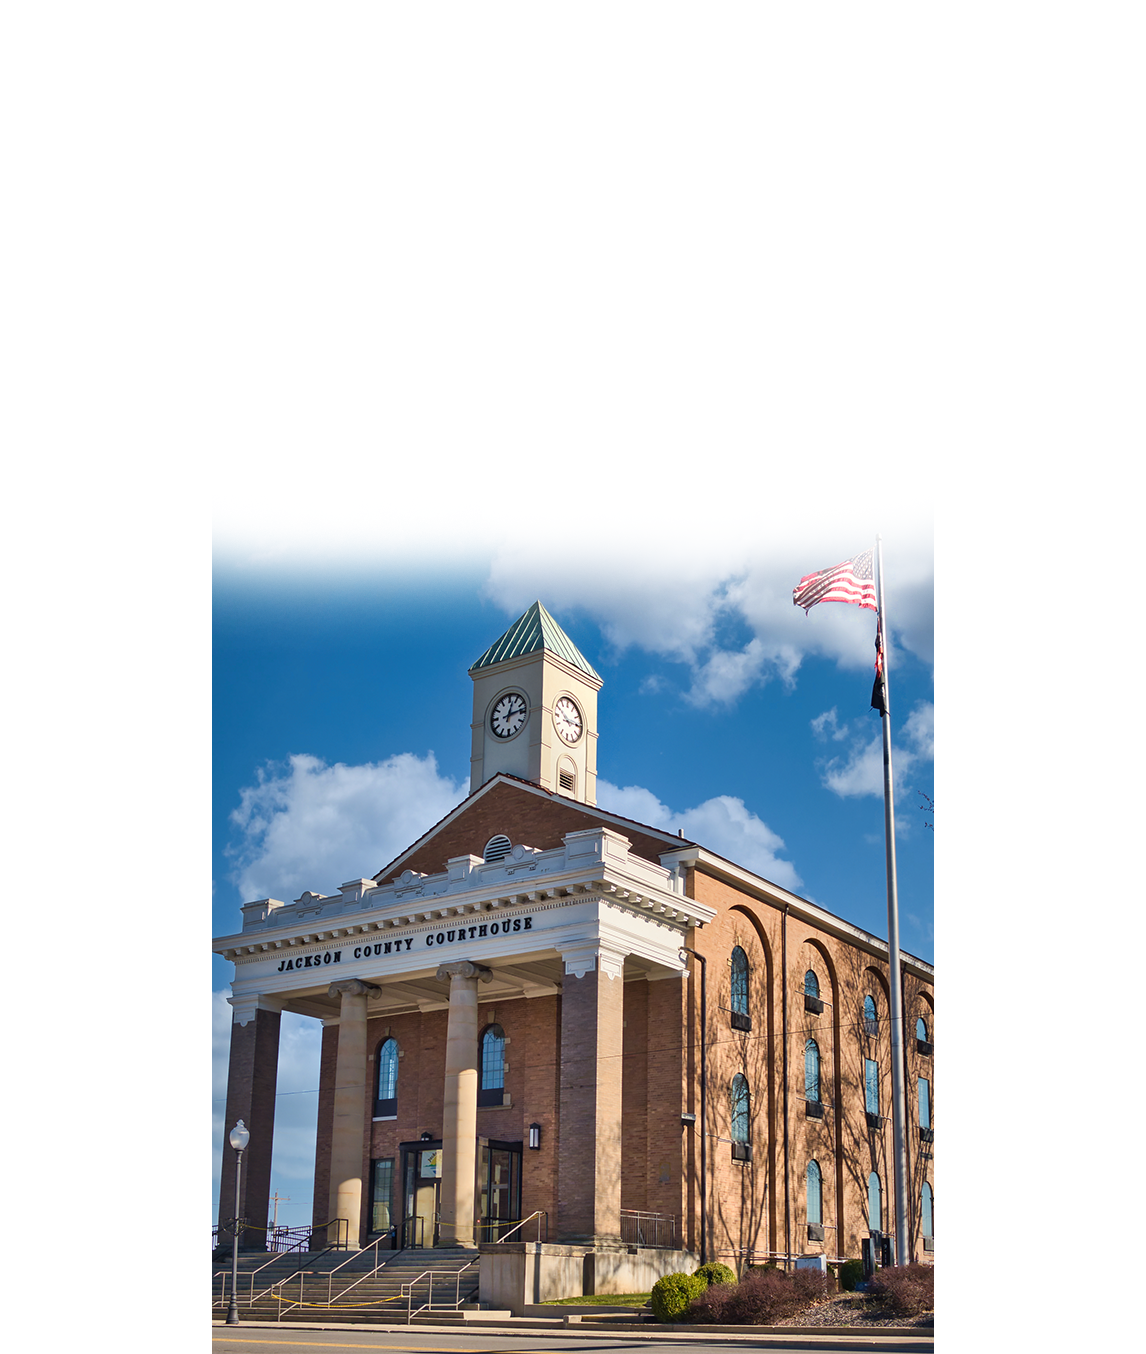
(497, 848)
(568, 781)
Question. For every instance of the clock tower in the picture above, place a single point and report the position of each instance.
(535, 709)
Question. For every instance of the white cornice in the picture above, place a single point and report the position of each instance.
(595, 864)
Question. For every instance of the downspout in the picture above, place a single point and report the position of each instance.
(784, 1018)
(703, 1105)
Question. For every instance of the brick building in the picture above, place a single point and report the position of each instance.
(542, 1008)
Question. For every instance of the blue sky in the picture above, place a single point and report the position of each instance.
(342, 708)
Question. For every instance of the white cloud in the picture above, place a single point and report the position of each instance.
(678, 603)
(722, 824)
(860, 771)
(306, 824)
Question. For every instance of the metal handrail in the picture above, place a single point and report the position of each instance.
(538, 1214)
(431, 1274)
(637, 1226)
(276, 1256)
(379, 1264)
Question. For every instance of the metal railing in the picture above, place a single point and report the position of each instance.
(648, 1229)
(429, 1275)
(251, 1297)
(513, 1226)
(355, 1258)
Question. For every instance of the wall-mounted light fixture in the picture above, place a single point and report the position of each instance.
(535, 1135)
(687, 1120)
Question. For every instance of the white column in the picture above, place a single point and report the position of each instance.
(350, 1091)
(459, 1107)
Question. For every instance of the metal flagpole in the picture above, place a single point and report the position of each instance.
(898, 1115)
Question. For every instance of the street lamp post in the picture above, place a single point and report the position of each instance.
(239, 1137)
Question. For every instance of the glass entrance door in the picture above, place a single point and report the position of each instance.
(500, 1198)
(421, 1190)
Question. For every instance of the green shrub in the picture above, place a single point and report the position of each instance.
(715, 1272)
(672, 1294)
(851, 1274)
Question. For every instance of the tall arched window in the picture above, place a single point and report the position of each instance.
(921, 1029)
(386, 1089)
(922, 1038)
(811, 984)
(815, 1203)
(491, 1088)
(741, 1119)
(874, 1203)
(741, 1020)
(870, 1018)
(928, 1233)
(812, 1071)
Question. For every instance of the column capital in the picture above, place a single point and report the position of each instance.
(352, 987)
(463, 968)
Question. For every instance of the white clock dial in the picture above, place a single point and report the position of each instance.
(508, 715)
(567, 720)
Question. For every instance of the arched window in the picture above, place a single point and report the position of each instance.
(386, 1089)
(741, 1020)
(870, 1018)
(871, 1091)
(923, 1042)
(811, 984)
(815, 1202)
(874, 1203)
(491, 1088)
(921, 1029)
(812, 1071)
(928, 1233)
(741, 1119)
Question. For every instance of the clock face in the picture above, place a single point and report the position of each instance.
(508, 715)
(567, 720)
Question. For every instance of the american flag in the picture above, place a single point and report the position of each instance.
(851, 581)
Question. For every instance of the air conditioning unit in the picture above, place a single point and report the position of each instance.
(813, 1004)
(741, 1151)
(815, 1233)
(813, 1109)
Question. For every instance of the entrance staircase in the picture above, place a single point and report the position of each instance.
(331, 1285)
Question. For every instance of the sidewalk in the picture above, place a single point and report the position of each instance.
(890, 1339)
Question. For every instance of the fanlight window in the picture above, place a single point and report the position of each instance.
(497, 848)
(811, 1071)
(386, 1100)
(492, 1086)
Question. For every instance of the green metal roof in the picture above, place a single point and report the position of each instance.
(533, 631)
